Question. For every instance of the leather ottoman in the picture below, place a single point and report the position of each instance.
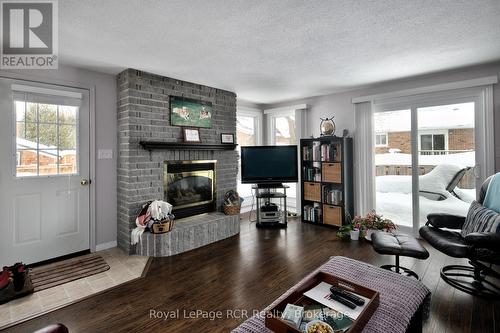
(399, 245)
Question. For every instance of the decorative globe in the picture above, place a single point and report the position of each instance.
(327, 126)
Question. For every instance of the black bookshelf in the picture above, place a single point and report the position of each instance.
(326, 182)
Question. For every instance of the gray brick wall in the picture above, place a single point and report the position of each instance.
(143, 113)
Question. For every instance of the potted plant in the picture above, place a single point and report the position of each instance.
(374, 222)
(366, 225)
(356, 229)
(351, 230)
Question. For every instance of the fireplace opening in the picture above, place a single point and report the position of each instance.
(189, 186)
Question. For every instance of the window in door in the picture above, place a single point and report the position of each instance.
(393, 196)
(46, 138)
(447, 157)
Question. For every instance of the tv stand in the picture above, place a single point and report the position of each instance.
(271, 214)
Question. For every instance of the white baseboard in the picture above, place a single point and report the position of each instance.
(105, 246)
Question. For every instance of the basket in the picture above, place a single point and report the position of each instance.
(232, 209)
(162, 226)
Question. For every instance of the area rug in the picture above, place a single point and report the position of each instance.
(55, 274)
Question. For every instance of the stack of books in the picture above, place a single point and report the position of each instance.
(332, 197)
(330, 152)
(311, 174)
(312, 213)
(312, 153)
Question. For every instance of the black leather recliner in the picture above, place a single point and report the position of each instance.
(481, 248)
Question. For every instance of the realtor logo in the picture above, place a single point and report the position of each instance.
(29, 34)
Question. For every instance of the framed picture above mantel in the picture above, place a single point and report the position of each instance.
(190, 112)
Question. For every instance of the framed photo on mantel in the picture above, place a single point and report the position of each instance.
(227, 138)
(190, 112)
(191, 135)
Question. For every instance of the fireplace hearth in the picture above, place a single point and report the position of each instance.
(189, 186)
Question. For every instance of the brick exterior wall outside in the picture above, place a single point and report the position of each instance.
(461, 139)
(143, 114)
(399, 140)
(458, 139)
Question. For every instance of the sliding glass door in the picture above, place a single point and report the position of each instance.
(426, 159)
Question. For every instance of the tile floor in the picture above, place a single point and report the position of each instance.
(123, 268)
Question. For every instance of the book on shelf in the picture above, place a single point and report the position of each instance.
(312, 213)
(312, 153)
(331, 196)
(330, 152)
(312, 174)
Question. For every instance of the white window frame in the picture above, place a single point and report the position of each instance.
(258, 121)
(386, 139)
(433, 132)
(481, 91)
(299, 111)
(258, 132)
(482, 96)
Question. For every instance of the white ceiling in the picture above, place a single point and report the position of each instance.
(268, 51)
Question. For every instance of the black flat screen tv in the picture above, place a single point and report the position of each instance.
(269, 164)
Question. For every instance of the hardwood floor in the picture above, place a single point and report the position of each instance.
(248, 272)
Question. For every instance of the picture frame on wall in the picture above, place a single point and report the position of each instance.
(191, 135)
(227, 138)
(190, 112)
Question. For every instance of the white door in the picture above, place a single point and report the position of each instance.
(44, 165)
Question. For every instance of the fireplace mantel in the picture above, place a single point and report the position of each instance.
(155, 145)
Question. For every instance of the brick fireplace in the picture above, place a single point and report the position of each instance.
(190, 187)
(143, 114)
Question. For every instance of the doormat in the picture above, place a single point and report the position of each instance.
(51, 275)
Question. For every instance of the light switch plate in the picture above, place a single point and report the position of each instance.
(105, 154)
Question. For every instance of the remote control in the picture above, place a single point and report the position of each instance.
(347, 295)
(343, 301)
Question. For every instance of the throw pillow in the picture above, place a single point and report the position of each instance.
(481, 219)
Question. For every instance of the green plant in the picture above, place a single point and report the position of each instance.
(371, 221)
(344, 231)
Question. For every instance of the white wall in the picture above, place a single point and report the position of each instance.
(340, 105)
(106, 138)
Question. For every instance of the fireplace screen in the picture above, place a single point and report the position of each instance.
(189, 186)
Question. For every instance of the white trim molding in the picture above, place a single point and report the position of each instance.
(105, 246)
(484, 81)
(286, 109)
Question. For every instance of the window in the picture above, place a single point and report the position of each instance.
(433, 143)
(381, 140)
(46, 135)
(245, 130)
(284, 130)
(248, 133)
